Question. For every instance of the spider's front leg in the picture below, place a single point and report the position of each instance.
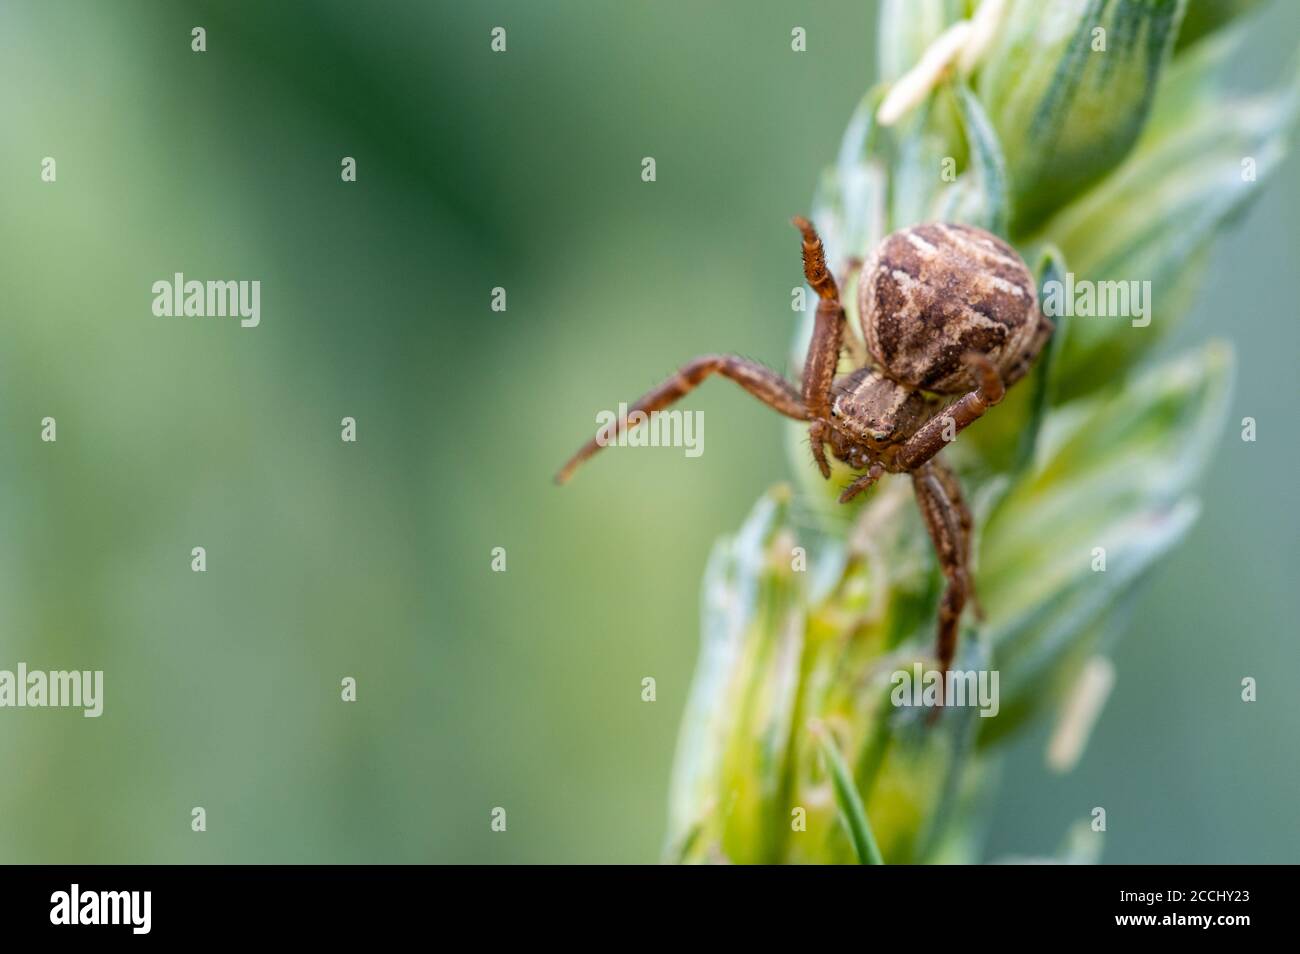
(765, 384)
(824, 349)
(945, 425)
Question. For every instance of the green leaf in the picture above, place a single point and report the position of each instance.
(988, 164)
(849, 206)
(963, 727)
(1196, 80)
(860, 134)
(852, 812)
(1072, 109)
(736, 731)
(1051, 268)
(920, 146)
(1204, 17)
(1114, 472)
(1155, 217)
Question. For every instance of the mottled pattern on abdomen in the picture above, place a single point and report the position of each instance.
(932, 292)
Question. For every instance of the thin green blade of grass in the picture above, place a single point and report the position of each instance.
(1051, 268)
(987, 159)
(852, 812)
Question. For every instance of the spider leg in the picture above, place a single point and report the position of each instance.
(952, 487)
(931, 439)
(864, 481)
(827, 339)
(943, 523)
(764, 383)
(814, 262)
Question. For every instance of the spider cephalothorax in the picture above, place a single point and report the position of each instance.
(950, 319)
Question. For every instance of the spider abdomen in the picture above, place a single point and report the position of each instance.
(933, 292)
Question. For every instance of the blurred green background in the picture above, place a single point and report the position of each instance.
(479, 689)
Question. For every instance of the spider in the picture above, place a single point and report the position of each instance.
(950, 318)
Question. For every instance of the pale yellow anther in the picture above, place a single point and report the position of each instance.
(1079, 713)
(915, 85)
(963, 45)
(984, 30)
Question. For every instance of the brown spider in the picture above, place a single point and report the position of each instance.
(950, 318)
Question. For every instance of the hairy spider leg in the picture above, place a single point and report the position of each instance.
(945, 425)
(944, 525)
(874, 473)
(827, 339)
(764, 383)
(952, 487)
